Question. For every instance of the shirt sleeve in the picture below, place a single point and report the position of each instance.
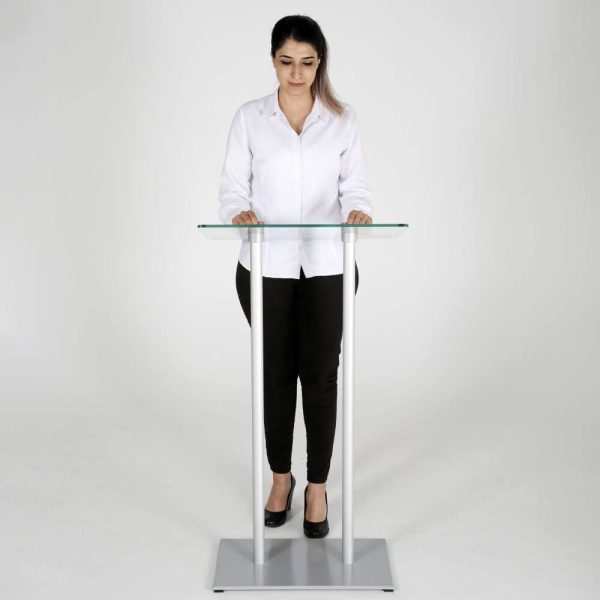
(353, 184)
(234, 186)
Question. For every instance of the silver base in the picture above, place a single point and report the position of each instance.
(303, 563)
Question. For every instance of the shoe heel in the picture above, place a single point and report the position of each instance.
(291, 493)
(316, 529)
(278, 518)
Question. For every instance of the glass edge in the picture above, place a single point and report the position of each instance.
(274, 225)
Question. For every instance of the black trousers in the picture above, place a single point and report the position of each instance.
(302, 322)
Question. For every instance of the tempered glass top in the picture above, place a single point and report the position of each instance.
(289, 231)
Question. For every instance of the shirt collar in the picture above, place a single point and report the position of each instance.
(272, 107)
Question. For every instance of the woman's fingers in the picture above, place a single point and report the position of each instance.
(246, 217)
(357, 217)
(249, 218)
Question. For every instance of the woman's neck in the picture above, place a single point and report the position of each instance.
(295, 104)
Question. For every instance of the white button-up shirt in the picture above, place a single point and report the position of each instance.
(318, 176)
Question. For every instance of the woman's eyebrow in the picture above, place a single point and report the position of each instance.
(303, 58)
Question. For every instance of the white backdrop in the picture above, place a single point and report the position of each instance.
(125, 430)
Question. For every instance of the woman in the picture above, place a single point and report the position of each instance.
(295, 156)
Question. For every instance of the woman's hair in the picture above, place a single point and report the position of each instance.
(304, 29)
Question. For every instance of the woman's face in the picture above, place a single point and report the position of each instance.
(296, 62)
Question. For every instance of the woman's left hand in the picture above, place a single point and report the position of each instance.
(357, 217)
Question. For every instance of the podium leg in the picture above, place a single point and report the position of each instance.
(256, 318)
(349, 239)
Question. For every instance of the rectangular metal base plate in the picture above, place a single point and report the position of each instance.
(302, 563)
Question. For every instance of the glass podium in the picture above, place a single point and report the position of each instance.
(302, 563)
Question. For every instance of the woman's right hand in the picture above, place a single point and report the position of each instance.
(246, 217)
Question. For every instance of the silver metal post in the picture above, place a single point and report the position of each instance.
(349, 236)
(256, 320)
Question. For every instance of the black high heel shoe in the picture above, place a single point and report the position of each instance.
(315, 529)
(278, 517)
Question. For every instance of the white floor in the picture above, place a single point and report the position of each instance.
(127, 506)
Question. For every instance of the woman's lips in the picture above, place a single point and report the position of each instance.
(296, 84)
